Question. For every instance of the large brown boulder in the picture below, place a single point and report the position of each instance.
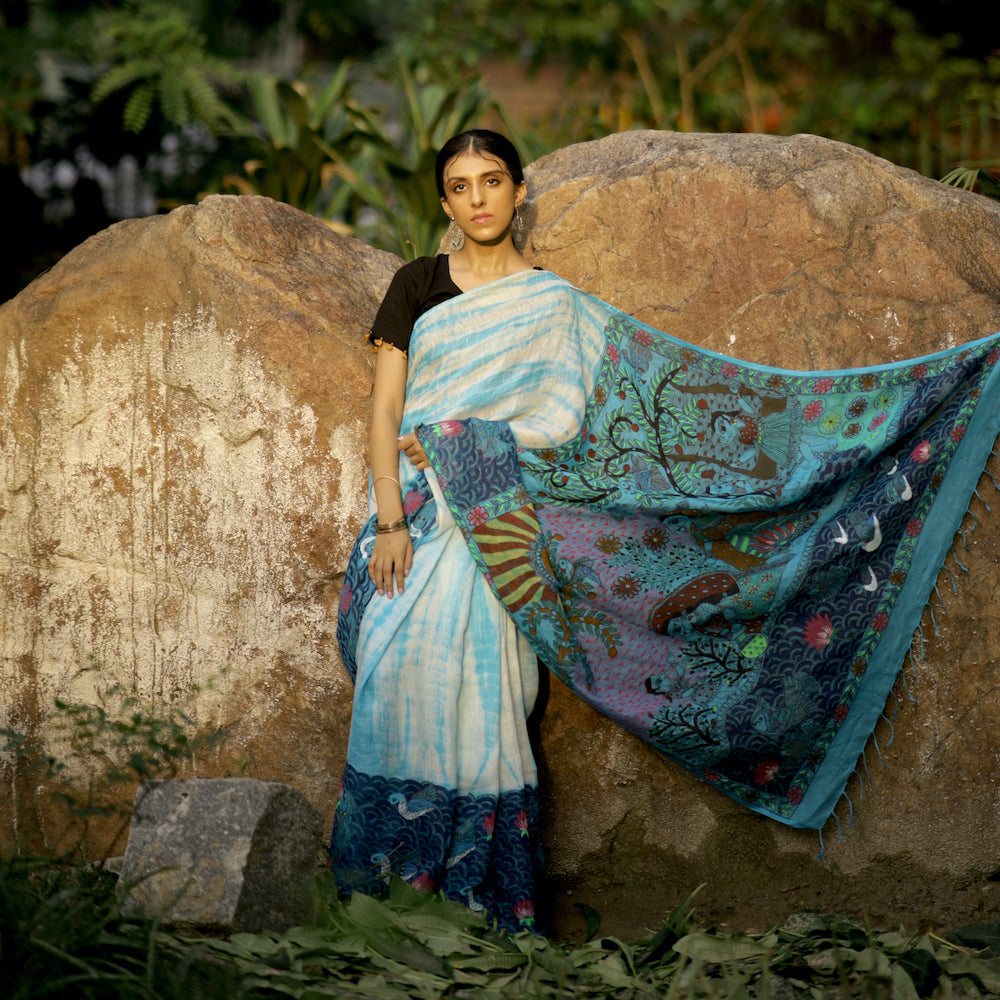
(183, 412)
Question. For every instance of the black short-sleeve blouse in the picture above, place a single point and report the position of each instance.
(415, 288)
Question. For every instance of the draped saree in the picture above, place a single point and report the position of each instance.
(727, 559)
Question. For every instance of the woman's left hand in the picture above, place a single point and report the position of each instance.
(414, 451)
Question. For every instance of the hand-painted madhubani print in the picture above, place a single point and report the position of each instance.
(730, 560)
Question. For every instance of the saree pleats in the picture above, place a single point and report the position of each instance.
(440, 787)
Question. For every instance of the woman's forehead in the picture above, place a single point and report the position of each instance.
(472, 164)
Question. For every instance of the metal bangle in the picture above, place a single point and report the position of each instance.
(384, 529)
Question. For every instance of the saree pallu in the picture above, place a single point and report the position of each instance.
(729, 560)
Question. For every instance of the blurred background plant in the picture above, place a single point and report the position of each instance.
(79, 785)
(130, 107)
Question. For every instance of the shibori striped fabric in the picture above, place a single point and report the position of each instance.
(440, 785)
(727, 559)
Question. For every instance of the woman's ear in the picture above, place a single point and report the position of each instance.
(447, 210)
(520, 193)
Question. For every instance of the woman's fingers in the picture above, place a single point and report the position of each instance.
(403, 565)
(413, 449)
(392, 556)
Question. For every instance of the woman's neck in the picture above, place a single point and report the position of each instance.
(477, 264)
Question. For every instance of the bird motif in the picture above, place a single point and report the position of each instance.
(463, 843)
(346, 802)
(783, 715)
(470, 900)
(899, 490)
(459, 849)
(415, 872)
(876, 539)
(413, 808)
(382, 862)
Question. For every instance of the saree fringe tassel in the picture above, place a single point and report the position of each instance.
(910, 662)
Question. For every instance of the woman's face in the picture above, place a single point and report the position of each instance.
(481, 196)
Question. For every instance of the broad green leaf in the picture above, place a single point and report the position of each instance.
(438, 934)
(368, 911)
(554, 961)
(254, 944)
(704, 947)
(873, 963)
(984, 971)
(612, 971)
(895, 941)
(902, 985)
(828, 961)
(488, 962)
(982, 935)
(309, 936)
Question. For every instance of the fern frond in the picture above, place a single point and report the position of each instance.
(173, 99)
(138, 108)
(121, 76)
(204, 102)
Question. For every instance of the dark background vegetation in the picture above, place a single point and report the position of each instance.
(129, 107)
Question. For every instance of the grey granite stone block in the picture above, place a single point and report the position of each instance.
(222, 854)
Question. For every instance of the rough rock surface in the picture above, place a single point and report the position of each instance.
(222, 855)
(182, 416)
(183, 425)
(797, 252)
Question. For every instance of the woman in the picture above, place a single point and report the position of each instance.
(729, 560)
(440, 782)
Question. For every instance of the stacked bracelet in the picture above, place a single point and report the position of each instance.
(384, 529)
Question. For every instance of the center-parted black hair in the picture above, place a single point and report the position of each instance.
(484, 142)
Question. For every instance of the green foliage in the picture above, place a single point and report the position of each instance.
(983, 175)
(861, 71)
(411, 945)
(161, 61)
(323, 151)
(61, 929)
(62, 936)
(296, 132)
(95, 753)
(19, 89)
(395, 176)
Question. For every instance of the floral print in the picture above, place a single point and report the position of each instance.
(818, 631)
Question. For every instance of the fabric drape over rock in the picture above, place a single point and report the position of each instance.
(729, 560)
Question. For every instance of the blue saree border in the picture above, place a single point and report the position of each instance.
(936, 539)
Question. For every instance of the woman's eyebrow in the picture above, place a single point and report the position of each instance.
(485, 173)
